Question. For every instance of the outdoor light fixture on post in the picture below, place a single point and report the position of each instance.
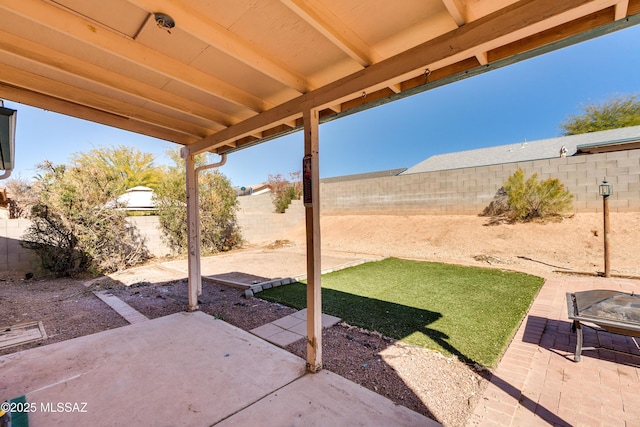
(606, 190)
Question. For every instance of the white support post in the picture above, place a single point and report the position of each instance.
(193, 232)
(312, 215)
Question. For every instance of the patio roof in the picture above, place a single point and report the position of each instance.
(229, 74)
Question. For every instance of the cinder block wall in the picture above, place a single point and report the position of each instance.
(149, 229)
(258, 221)
(461, 191)
(470, 190)
(12, 255)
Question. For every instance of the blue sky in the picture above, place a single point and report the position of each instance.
(524, 101)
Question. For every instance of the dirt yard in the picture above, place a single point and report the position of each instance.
(572, 245)
(425, 381)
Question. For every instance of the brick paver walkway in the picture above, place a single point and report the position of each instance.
(537, 383)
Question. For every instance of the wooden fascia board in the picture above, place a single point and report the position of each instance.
(514, 22)
(225, 41)
(552, 35)
(115, 44)
(45, 102)
(59, 61)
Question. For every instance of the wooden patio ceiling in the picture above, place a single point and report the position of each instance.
(232, 73)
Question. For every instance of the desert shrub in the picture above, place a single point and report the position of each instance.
(23, 197)
(76, 226)
(528, 199)
(218, 204)
(53, 242)
(283, 191)
(499, 206)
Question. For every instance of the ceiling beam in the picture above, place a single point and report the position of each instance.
(111, 43)
(333, 29)
(457, 10)
(72, 66)
(224, 40)
(621, 10)
(52, 88)
(326, 23)
(45, 102)
(482, 57)
(514, 22)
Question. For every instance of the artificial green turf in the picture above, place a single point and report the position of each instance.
(466, 311)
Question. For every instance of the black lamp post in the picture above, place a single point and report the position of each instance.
(606, 190)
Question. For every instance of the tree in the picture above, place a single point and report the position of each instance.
(284, 191)
(616, 113)
(74, 228)
(218, 204)
(128, 166)
(23, 197)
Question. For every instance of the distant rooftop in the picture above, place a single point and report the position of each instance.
(529, 150)
(138, 199)
(368, 175)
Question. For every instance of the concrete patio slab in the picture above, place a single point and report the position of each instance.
(325, 399)
(183, 369)
(291, 328)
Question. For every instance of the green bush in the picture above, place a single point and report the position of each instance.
(218, 202)
(528, 199)
(284, 191)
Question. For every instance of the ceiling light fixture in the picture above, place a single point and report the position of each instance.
(164, 21)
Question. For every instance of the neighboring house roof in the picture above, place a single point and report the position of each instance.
(623, 138)
(390, 172)
(631, 143)
(253, 190)
(138, 199)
